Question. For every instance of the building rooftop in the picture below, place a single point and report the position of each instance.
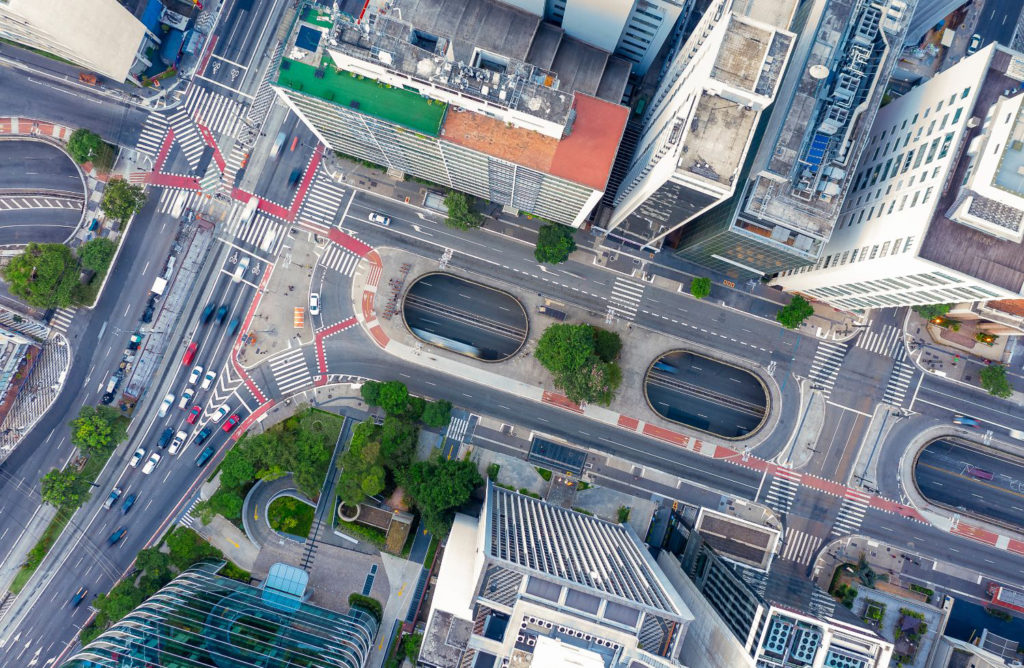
(741, 56)
(738, 539)
(718, 139)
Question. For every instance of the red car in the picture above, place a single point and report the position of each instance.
(193, 414)
(232, 422)
(190, 354)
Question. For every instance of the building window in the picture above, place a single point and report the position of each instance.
(946, 141)
(956, 115)
(853, 256)
(927, 194)
(874, 252)
(908, 244)
(885, 248)
(945, 118)
(913, 202)
(967, 91)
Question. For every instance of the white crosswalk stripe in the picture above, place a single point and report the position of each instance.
(822, 605)
(169, 196)
(899, 378)
(61, 320)
(187, 136)
(825, 366)
(882, 342)
(340, 260)
(851, 513)
(265, 96)
(457, 428)
(800, 546)
(258, 231)
(625, 298)
(152, 136)
(323, 200)
(214, 111)
(782, 490)
(291, 372)
(233, 164)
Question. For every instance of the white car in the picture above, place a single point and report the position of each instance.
(208, 379)
(379, 218)
(137, 457)
(219, 414)
(186, 398)
(166, 405)
(151, 463)
(179, 440)
(197, 372)
(314, 303)
(975, 43)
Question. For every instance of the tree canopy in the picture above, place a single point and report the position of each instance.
(62, 488)
(122, 200)
(86, 146)
(554, 243)
(438, 487)
(461, 214)
(993, 378)
(929, 311)
(394, 396)
(97, 429)
(700, 287)
(795, 312)
(44, 275)
(96, 254)
(581, 359)
(437, 413)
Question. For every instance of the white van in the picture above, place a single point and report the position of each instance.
(243, 265)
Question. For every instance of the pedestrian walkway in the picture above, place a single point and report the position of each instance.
(262, 232)
(851, 513)
(234, 163)
(899, 378)
(153, 132)
(214, 111)
(882, 342)
(187, 136)
(291, 371)
(323, 200)
(171, 197)
(457, 428)
(40, 391)
(825, 366)
(800, 546)
(62, 318)
(783, 488)
(822, 605)
(340, 260)
(625, 298)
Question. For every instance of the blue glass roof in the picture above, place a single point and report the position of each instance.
(285, 586)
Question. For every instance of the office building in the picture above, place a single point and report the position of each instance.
(203, 619)
(101, 36)
(701, 122)
(531, 583)
(632, 29)
(794, 186)
(936, 211)
(472, 95)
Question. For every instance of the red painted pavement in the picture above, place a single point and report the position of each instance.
(1015, 546)
(561, 401)
(628, 423)
(321, 356)
(349, 243)
(307, 179)
(377, 332)
(173, 181)
(266, 206)
(165, 148)
(206, 56)
(245, 328)
(822, 485)
(977, 533)
(248, 421)
(210, 141)
(666, 435)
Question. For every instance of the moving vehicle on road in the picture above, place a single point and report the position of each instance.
(117, 535)
(151, 463)
(190, 354)
(222, 313)
(208, 379)
(196, 374)
(233, 326)
(278, 144)
(140, 452)
(193, 414)
(980, 474)
(231, 423)
(219, 414)
(203, 434)
(975, 44)
(965, 421)
(379, 218)
(295, 142)
(78, 597)
(208, 312)
(240, 268)
(179, 440)
(165, 437)
(186, 398)
(109, 503)
(166, 405)
(129, 501)
(295, 177)
(314, 303)
(205, 455)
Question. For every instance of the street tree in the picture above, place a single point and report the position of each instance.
(86, 146)
(607, 345)
(62, 489)
(44, 275)
(554, 243)
(236, 470)
(437, 413)
(122, 200)
(394, 396)
(461, 214)
(930, 311)
(700, 287)
(398, 442)
(97, 429)
(370, 391)
(581, 360)
(438, 487)
(96, 254)
(993, 379)
(795, 312)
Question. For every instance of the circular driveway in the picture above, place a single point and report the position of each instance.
(41, 193)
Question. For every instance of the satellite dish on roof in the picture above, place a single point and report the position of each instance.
(818, 71)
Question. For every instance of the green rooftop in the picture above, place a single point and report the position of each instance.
(345, 89)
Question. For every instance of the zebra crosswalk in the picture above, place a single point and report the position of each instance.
(899, 378)
(799, 546)
(782, 490)
(61, 319)
(340, 260)
(882, 342)
(290, 371)
(322, 200)
(187, 136)
(457, 428)
(822, 605)
(625, 298)
(170, 197)
(262, 231)
(825, 366)
(233, 164)
(152, 136)
(265, 96)
(851, 512)
(214, 111)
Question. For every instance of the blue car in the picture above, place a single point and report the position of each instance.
(117, 535)
(129, 501)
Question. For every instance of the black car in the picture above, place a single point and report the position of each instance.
(107, 398)
(205, 455)
(117, 535)
(129, 501)
(79, 596)
(203, 434)
(222, 313)
(165, 437)
(208, 313)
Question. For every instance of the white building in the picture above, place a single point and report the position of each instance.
(100, 35)
(632, 29)
(701, 121)
(936, 210)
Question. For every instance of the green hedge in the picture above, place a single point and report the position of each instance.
(368, 603)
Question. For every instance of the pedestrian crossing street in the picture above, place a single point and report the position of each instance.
(214, 111)
(262, 232)
(800, 547)
(187, 136)
(625, 298)
(457, 428)
(783, 488)
(340, 260)
(290, 371)
(61, 320)
(322, 200)
(899, 378)
(153, 132)
(825, 365)
(851, 513)
(882, 342)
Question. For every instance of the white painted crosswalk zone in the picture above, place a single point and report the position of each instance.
(822, 605)
(851, 513)
(214, 111)
(61, 320)
(322, 201)
(457, 428)
(800, 547)
(233, 164)
(783, 488)
(152, 136)
(881, 342)
(625, 298)
(899, 378)
(168, 198)
(825, 365)
(340, 260)
(187, 136)
(291, 371)
(258, 231)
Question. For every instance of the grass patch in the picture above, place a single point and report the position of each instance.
(291, 516)
(370, 534)
(428, 561)
(40, 550)
(544, 473)
(623, 514)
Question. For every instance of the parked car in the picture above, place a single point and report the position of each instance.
(129, 501)
(975, 44)
(166, 405)
(208, 312)
(140, 452)
(117, 535)
(222, 313)
(203, 434)
(151, 463)
(208, 379)
(193, 414)
(314, 303)
(179, 440)
(186, 398)
(231, 423)
(197, 373)
(379, 218)
(78, 597)
(205, 455)
(165, 437)
(112, 499)
(190, 354)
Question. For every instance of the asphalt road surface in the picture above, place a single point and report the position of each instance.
(37, 165)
